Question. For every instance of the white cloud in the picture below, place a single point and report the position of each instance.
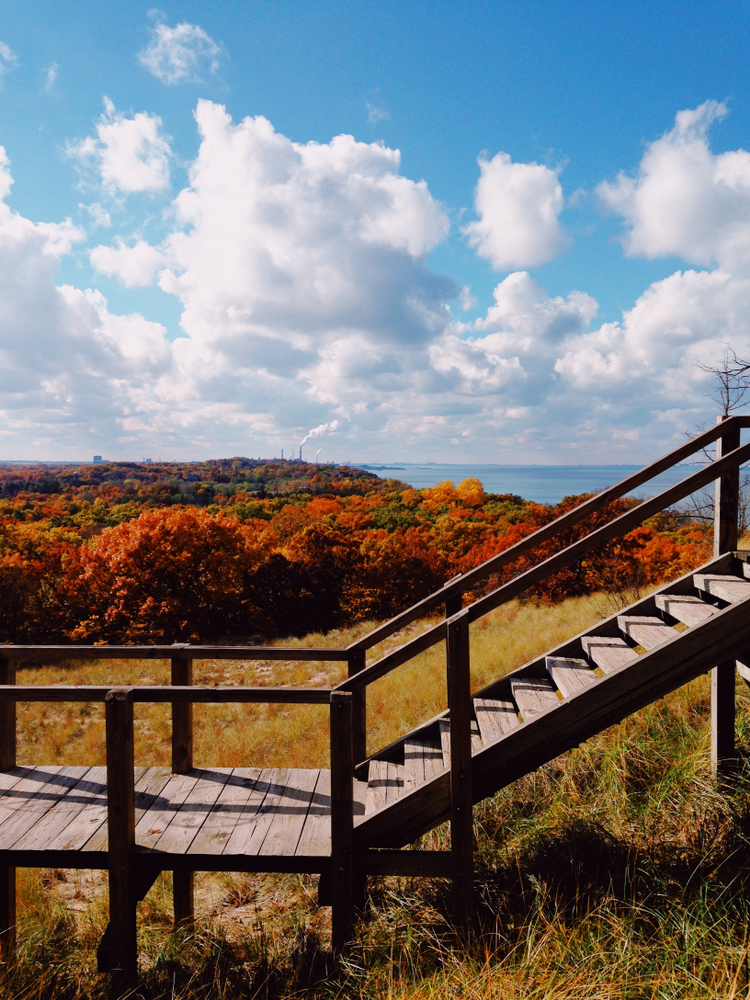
(518, 206)
(8, 59)
(134, 266)
(685, 199)
(99, 216)
(50, 77)
(376, 114)
(180, 54)
(129, 155)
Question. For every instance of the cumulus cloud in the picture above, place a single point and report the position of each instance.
(128, 155)
(69, 369)
(518, 205)
(8, 59)
(134, 266)
(180, 54)
(686, 200)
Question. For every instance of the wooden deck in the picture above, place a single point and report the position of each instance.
(232, 819)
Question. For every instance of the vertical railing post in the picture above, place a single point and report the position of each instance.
(356, 663)
(123, 941)
(462, 826)
(454, 603)
(726, 516)
(7, 761)
(342, 817)
(183, 882)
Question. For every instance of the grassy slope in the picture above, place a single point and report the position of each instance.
(616, 871)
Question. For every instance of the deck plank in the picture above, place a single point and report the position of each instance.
(569, 674)
(495, 717)
(277, 783)
(686, 609)
(534, 695)
(193, 811)
(90, 792)
(727, 588)
(646, 630)
(248, 818)
(315, 839)
(31, 797)
(157, 818)
(289, 815)
(149, 782)
(221, 821)
(608, 652)
(377, 781)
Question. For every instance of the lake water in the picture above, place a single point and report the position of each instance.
(541, 483)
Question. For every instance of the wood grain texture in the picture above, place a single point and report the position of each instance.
(534, 695)
(646, 630)
(609, 653)
(495, 717)
(569, 674)
(724, 586)
(686, 609)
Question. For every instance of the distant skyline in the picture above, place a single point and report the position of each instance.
(476, 232)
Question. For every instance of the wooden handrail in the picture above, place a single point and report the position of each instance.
(455, 587)
(161, 694)
(72, 652)
(620, 525)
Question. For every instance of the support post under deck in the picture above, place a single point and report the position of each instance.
(726, 511)
(342, 818)
(123, 936)
(7, 761)
(462, 821)
(183, 882)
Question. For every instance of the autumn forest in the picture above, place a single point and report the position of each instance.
(246, 550)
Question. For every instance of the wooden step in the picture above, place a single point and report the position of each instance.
(726, 588)
(385, 782)
(422, 760)
(570, 675)
(646, 631)
(688, 610)
(608, 652)
(495, 717)
(534, 695)
(444, 727)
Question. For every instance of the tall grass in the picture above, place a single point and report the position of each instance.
(619, 870)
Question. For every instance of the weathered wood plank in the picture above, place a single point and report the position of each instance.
(377, 782)
(315, 839)
(422, 759)
(608, 652)
(149, 781)
(31, 798)
(157, 818)
(686, 609)
(647, 631)
(288, 818)
(193, 810)
(534, 695)
(245, 826)
(89, 792)
(569, 674)
(444, 728)
(225, 813)
(395, 781)
(495, 716)
(725, 587)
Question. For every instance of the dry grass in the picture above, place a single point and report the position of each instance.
(617, 872)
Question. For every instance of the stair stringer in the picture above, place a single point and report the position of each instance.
(605, 702)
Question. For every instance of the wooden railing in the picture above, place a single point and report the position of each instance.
(182, 695)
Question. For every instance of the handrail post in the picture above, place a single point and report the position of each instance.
(342, 817)
(123, 938)
(7, 761)
(462, 824)
(726, 516)
(356, 663)
(183, 882)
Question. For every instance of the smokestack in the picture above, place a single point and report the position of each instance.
(300, 453)
(282, 454)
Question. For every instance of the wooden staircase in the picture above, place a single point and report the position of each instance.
(356, 818)
(581, 687)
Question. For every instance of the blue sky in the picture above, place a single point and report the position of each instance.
(531, 278)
